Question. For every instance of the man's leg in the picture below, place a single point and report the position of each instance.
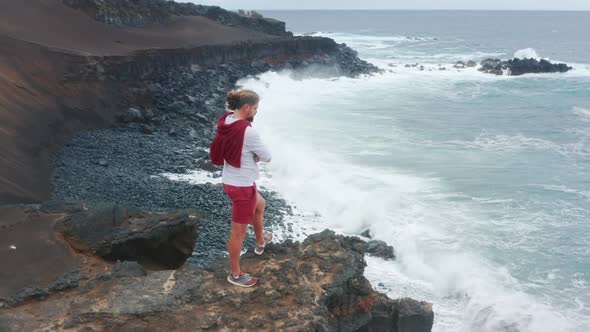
(236, 239)
(259, 219)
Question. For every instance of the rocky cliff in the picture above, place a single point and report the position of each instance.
(77, 75)
(316, 285)
(145, 12)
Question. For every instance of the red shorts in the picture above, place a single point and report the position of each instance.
(243, 201)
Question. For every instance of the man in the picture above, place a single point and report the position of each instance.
(238, 147)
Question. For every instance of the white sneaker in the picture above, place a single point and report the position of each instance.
(267, 239)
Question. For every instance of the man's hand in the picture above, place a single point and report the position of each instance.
(256, 158)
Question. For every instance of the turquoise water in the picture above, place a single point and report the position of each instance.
(482, 183)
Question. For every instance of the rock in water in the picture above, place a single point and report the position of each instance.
(491, 66)
(526, 66)
(380, 249)
(516, 67)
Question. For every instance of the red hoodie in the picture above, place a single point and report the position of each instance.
(228, 142)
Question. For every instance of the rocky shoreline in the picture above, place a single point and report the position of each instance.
(119, 246)
(169, 131)
(511, 67)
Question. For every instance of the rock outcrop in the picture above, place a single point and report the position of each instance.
(57, 246)
(317, 285)
(145, 12)
(517, 67)
(112, 232)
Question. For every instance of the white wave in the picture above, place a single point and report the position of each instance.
(340, 37)
(582, 113)
(195, 177)
(564, 189)
(434, 264)
(527, 53)
(520, 142)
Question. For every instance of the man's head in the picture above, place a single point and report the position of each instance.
(244, 101)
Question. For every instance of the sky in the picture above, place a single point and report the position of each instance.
(400, 4)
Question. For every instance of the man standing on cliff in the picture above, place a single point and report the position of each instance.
(238, 147)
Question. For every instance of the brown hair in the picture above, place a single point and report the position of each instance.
(238, 98)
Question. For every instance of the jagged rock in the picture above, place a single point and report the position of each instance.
(380, 249)
(525, 66)
(67, 281)
(490, 64)
(471, 63)
(516, 67)
(293, 294)
(403, 315)
(117, 233)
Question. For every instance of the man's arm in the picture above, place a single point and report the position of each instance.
(254, 143)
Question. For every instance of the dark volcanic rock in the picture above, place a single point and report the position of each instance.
(336, 298)
(516, 67)
(145, 12)
(526, 66)
(491, 66)
(117, 233)
(380, 249)
(402, 315)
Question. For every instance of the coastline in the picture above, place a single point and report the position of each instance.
(170, 133)
(98, 218)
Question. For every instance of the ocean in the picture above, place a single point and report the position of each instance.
(480, 182)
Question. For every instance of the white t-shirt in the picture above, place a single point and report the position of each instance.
(248, 172)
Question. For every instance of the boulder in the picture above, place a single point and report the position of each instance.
(156, 240)
(380, 249)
